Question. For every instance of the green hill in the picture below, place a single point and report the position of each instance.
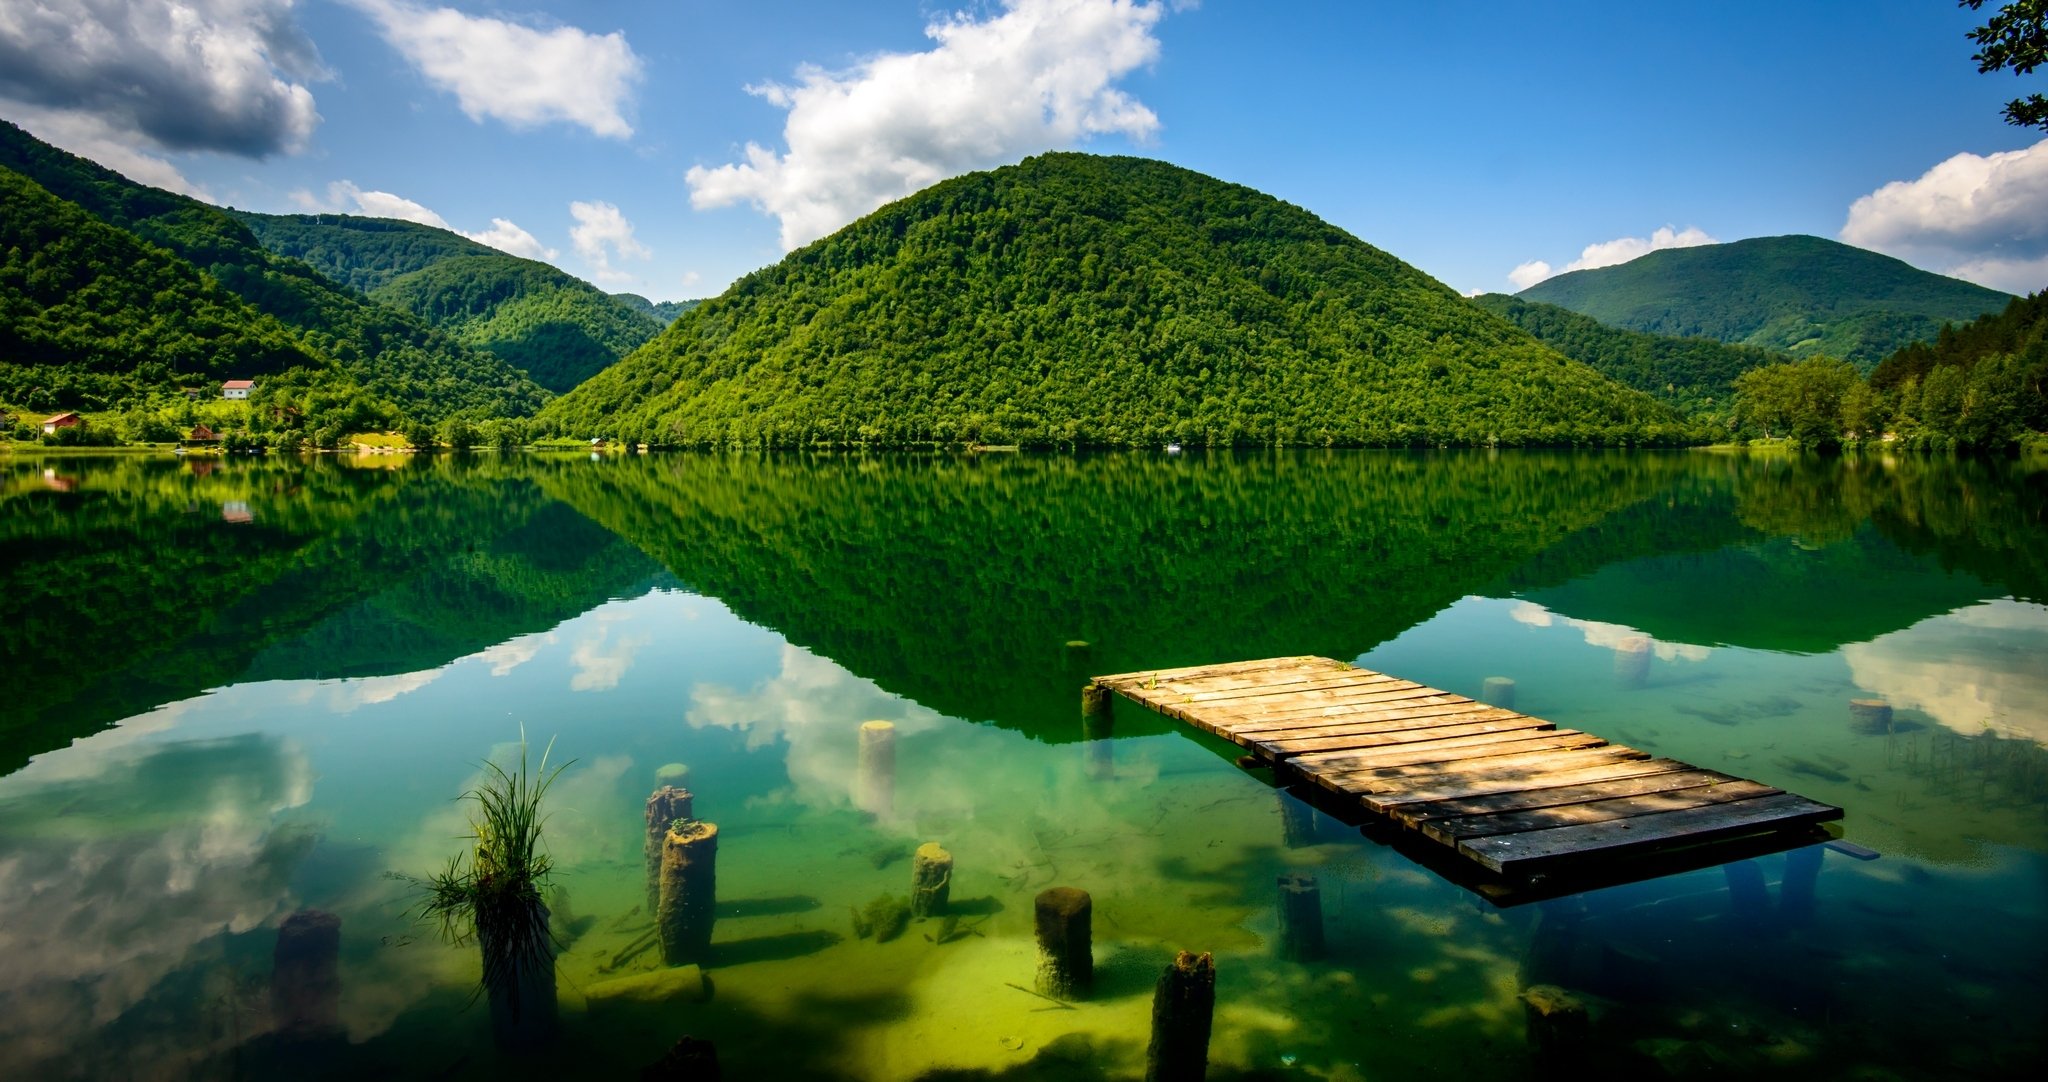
(666, 312)
(1080, 300)
(1978, 384)
(389, 353)
(1695, 376)
(1799, 295)
(70, 290)
(545, 322)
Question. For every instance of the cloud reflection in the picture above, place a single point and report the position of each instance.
(1974, 669)
(1606, 636)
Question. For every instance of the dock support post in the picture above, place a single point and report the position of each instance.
(1183, 1006)
(1802, 877)
(1297, 820)
(1558, 1024)
(689, 892)
(1096, 730)
(1066, 948)
(931, 880)
(1554, 945)
(305, 976)
(875, 782)
(1301, 918)
(1748, 899)
(667, 805)
(1499, 691)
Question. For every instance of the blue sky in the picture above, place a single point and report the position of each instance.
(668, 148)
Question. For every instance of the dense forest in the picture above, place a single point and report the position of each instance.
(1695, 376)
(1799, 295)
(385, 354)
(664, 312)
(551, 325)
(1076, 300)
(1978, 386)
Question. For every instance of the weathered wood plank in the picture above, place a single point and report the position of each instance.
(1364, 682)
(1275, 681)
(1453, 830)
(1591, 764)
(1516, 853)
(1422, 721)
(1378, 697)
(1319, 738)
(1352, 760)
(1526, 768)
(1571, 792)
(1419, 705)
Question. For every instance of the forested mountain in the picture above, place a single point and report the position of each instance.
(386, 352)
(1800, 295)
(71, 287)
(549, 324)
(1695, 376)
(665, 311)
(1979, 384)
(1081, 300)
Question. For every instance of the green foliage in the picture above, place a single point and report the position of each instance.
(1075, 300)
(1977, 385)
(360, 253)
(556, 328)
(1798, 400)
(664, 312)
(2017, 38)
(1800, 295)
(391, 354)
(1695, 376)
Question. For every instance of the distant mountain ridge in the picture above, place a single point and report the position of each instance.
(1075, 300)
(548, 323)
(1799, 295)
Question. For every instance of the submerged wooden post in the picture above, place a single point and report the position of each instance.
(1871, 717)
(1748, 899)
(1183, 1006)
(1297, 820)
(1558, 1024)
(875, 782)
(1301, 918)
(1097, 727)
(305, 976)
(1802, 876)
(931, 880)
(1554, 945)
(689, 892)
(1066, 948)
(667, 805)
(1499, 691)
(1632, 661)
(688, 1060)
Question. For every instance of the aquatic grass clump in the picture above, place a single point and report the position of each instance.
(495, 898)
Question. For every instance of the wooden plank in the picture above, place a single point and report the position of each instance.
(1370, 713)
(1592, 764)
(1365, 699)
(1433, 717)
(1237, 682)
(1515, 853)
(1554, 795)
(1186, 671)
(1320, 738)
(1531, 756)
(1297, 685)
(1354, 760)
(1453, 830)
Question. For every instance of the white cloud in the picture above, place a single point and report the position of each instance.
(1608, 253)
(1970, 670)
(345, 197)
(1980, 217)
(219, 75)
(1035, 76)
(92, 138)
(602, 234)
(522, 75)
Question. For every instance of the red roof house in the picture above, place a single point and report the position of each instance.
(62, 420)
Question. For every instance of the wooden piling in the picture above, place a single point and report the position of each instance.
(1095, 712)
(1301, 918)
(875, 781)
(1802, 877)
(664, 807)
(1498, 691)
(1871, 717)
(931, 880)
(1632, 661)
(305, 976)
(1183, 1006)
(1558, 1025)
(1297, 820)
(1749, 901)
(689, 892)
(1066, 949)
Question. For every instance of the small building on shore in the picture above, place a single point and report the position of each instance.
(203, 434)
(62, 420)
(237, 388)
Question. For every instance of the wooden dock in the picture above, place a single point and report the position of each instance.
(1514, 794)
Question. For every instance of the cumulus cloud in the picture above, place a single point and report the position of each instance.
(1980, 217)
(1036, 75)
(522, 75)
(181, 75)
(1608, 253)
(602, 234)
(345, 197)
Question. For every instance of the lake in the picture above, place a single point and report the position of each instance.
(238, 690)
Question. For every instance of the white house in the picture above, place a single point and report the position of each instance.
(237, 388)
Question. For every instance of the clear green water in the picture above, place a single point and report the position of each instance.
(237, 691)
